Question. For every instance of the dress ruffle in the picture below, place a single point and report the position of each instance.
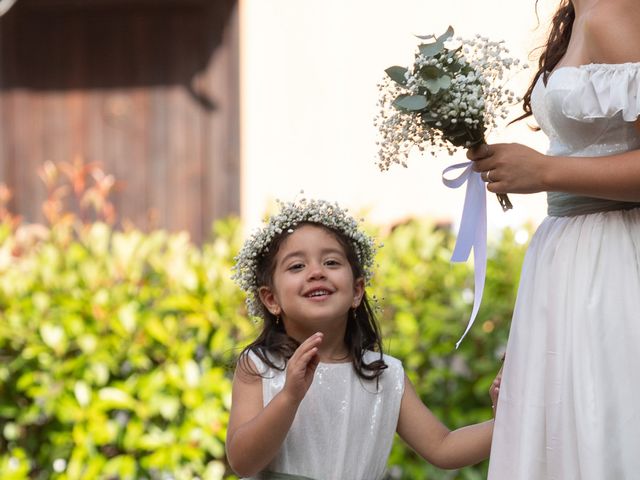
(604, 90)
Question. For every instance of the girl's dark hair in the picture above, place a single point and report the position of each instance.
(274, 347)
(552, 51)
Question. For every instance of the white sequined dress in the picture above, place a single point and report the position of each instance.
(569, 406)
(344, 427)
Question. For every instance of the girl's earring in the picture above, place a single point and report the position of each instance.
(277, 319)
(354, 314)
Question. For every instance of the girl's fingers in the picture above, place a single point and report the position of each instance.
(313, 364)
(311, 342)
(308, 356)
(306, 351)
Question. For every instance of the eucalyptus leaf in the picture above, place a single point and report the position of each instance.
(437, 84)
(454, 67)
(411, 102)
(431, 72)
(431, 49)
(446, 35)
(396, 74)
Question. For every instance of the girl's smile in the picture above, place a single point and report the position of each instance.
(313, 283)
(318, 294)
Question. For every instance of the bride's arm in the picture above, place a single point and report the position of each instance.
(516, 168)
(609, 34)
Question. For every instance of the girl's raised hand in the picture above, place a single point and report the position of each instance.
(301, 367)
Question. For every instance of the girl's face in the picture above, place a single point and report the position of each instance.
(313, 286)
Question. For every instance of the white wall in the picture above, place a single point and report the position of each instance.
(309, 72)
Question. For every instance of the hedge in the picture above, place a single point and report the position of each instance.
(117, 346)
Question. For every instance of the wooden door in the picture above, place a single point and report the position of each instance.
(147, 88)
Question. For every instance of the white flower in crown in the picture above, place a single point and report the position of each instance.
(291, 214)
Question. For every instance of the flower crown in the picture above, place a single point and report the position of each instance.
(291, 214)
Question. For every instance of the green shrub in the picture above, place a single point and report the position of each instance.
(427, 301)
(115, 350)
(115, 347)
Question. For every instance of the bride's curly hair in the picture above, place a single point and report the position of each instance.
(553, 50)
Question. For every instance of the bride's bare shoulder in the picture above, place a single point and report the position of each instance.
(613, 33)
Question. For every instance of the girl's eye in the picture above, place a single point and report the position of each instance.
(296, 266)
(332, 262)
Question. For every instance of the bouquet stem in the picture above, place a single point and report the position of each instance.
(503, 198)
(505, 203)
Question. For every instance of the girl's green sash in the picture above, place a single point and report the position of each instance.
(279, 476)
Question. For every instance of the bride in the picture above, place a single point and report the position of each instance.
(568, 406)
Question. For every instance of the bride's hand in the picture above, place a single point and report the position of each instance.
(510, 167)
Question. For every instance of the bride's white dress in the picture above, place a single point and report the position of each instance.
(569, 405)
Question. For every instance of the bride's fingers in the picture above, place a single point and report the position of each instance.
(479, 152)
(482, 165)
(496, 187)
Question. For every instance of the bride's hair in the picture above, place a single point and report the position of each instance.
(553, 50)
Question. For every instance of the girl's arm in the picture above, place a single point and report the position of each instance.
(255, 433)
(434, 442)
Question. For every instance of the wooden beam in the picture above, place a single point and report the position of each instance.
(85, 4)
(5, 5)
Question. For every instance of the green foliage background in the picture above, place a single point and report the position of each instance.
(117, 347)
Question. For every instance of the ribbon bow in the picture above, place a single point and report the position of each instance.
(473, 230)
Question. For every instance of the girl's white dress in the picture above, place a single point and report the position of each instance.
(569, 405)
(344, 427)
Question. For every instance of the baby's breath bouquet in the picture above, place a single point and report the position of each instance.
(446, 100)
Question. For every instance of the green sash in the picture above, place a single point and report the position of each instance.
(279, 476)
(567, 205)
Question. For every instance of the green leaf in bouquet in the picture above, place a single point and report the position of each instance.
(434, 48)
(411, 102)
(437, 84)
(446, 35)
(430, 72)
(431, 49)
(396, 74)
(455, 67)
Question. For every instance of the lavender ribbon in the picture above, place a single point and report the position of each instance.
(473, 230)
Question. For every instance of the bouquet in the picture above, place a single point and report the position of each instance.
(446, 100)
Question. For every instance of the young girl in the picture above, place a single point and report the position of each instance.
(314, 396)
(569, 404)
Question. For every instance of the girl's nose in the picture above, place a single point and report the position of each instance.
(316, 271)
